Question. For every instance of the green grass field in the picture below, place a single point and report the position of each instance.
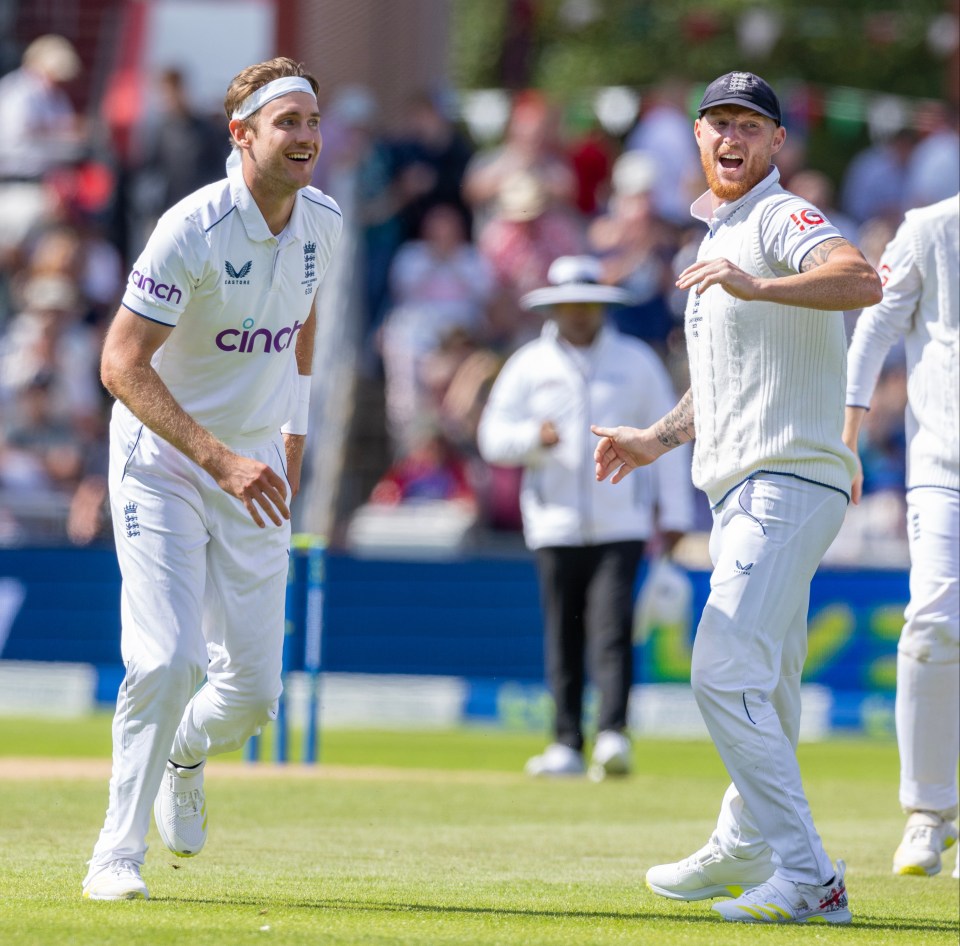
(435, 838)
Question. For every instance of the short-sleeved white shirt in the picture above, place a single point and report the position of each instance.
(236, 297)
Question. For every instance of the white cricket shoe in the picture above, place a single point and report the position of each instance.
(115, 880)
(784, 901)
(925, 838)
(956, 867)
(181, 810)
(556, 761)
(709, 873)
(611, 755)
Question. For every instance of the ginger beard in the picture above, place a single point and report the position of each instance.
(756, 170)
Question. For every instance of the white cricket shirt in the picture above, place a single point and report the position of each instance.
(920, 269)
(768, 380)
(237, 296)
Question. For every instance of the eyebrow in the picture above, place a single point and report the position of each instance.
(295, 111)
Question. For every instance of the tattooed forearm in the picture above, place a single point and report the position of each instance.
(821, 253)
(677, 427)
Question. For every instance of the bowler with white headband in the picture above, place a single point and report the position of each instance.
(209, 358)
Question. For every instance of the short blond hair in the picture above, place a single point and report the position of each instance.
(247, 82)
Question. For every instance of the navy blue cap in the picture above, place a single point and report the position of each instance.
(742, 88)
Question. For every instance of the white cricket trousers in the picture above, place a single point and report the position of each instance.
(928, 655)
(768, 538)
(202, 594)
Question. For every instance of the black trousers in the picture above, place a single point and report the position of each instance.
(587, 598)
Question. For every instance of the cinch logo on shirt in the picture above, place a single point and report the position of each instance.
(151, 287)
(260, 340)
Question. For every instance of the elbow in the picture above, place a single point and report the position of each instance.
(872, 289)
(109, 373)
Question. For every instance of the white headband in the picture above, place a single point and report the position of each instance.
(267, 93)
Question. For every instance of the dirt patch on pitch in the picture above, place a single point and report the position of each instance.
(42, 769)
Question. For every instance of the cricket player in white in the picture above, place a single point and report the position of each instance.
(921, 302)
(767, 348)
(209, 357)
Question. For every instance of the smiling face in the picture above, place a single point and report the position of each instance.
(736, 146)
(280, 144)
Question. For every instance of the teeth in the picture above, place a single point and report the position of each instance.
(299, 156)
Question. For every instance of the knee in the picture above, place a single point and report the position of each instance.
(257, 699)
(169, 677)
(930, 641)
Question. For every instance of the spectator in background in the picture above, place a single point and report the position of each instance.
(588, 538)
(432, 146)
(441, 287)
(933, 170)
(429, 469)
(183, 150)
(591, 153)
(41, 131)
(531, 146)
(663, 133)
(49, 339)
(873, 182)
(348, 125)
(635, 247)
(81, 255)
(526, 234)
(921, 302)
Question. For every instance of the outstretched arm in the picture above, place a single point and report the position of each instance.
(622, 449)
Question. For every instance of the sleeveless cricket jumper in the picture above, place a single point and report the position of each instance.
(203, 587)
(921, 304)
(768, 392)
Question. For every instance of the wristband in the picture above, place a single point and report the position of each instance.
(297, 425)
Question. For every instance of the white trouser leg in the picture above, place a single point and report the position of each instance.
(737, 831)
(243, 624)
(928, 655)
(161, 543)
(767, 542)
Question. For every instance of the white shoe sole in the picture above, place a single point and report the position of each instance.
(703, 893)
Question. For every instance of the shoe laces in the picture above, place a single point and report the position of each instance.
(709, 852)
(920, 835)
(190, 802)
(124, 866)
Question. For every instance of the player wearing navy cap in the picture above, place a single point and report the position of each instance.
(209, 357)
(767, 347)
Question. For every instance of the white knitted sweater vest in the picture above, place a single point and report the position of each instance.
(768, 380)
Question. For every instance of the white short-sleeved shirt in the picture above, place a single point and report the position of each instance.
(791, 226)
(236, 297)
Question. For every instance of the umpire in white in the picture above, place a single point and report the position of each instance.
(588, 538)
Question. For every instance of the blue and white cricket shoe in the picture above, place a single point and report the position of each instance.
(181, 810)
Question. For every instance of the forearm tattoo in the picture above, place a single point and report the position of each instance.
(821, 253)
(677, 427)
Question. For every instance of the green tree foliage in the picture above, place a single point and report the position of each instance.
(869, 44)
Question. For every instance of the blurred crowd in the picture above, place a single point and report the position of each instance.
(453, 231)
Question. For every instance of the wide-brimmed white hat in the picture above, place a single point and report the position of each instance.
(575, 279)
